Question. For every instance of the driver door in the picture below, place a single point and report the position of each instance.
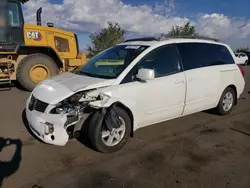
(162, 98)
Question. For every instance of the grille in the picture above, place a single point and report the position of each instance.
(37, 105)
(40, 106)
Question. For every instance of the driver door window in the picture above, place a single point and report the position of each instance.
(163, 60)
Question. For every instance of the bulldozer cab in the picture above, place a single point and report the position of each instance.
(11, 25)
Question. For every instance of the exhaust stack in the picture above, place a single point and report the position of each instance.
(38, 16)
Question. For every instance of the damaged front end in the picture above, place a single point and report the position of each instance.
(80, 106)
(77, 109)
(64, 120)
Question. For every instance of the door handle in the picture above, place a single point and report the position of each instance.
(179, 81)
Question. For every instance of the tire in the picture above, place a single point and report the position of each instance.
(220, 108)
(95, 128)
(30, 61)
(246, 63)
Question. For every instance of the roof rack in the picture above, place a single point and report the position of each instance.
(189, 37)
(162, 38)
(141, 39)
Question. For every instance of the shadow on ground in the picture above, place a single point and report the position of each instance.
(7, 168)
(83, 138)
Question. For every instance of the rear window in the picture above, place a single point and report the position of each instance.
(198, 55)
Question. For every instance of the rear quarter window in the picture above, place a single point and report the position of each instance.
(198, 55)
(224, 55)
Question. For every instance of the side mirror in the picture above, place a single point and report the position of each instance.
(145, 74)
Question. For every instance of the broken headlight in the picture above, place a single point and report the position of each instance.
(68, 106)
(63, 110)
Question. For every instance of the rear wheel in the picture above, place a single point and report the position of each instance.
(227, 102)
(34, 69)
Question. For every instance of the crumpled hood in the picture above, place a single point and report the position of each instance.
(57, 88)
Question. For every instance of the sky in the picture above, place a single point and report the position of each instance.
(227, 20)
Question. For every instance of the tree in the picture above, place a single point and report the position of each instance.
(185, 30)
(106, 38)
(242, 49)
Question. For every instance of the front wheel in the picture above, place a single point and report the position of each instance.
(226, 102)
(246, 63)
(105, 140)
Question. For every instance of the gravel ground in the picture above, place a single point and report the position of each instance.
(201, 150)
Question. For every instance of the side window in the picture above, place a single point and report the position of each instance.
(224, 55)
(192, 55)
(130, 77)
(163, 60)
(13, 12)
(197, 55)
(62, 45)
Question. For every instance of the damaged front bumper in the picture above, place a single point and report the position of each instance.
(50, 128)
(53, 128)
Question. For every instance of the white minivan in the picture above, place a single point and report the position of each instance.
(134, 84)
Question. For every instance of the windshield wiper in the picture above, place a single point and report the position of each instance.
(88, 74)
(106, 77)
(96, 75)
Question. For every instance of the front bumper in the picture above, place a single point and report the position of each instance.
(38, 123)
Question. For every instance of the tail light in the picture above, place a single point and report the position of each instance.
(241, 70)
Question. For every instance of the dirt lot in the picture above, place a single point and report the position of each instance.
(199, 150)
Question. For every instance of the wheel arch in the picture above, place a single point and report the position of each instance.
(122, 106)
(235, 91)
(45, 50)
(126, 109)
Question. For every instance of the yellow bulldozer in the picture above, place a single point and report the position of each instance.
(31, 53)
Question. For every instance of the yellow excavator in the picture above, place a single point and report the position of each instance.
(31, 53)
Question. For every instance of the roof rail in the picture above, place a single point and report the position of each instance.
(171, 37)
(141, 39)
(189, 37)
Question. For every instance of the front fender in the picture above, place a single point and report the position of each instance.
(108, 100)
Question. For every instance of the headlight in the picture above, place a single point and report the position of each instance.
(68, 106)
(64, 109)
(61, 110)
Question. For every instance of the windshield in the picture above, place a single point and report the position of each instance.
(111, 63)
